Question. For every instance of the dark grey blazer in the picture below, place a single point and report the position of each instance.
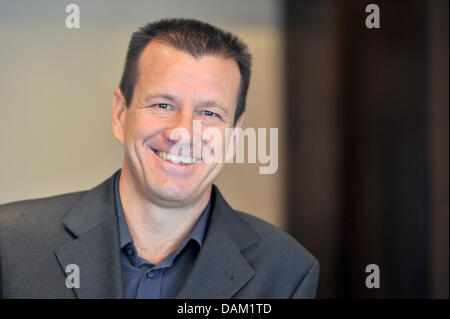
(241, 257)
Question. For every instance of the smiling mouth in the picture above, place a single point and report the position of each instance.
(176, 159)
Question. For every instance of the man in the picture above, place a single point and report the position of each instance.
(158, 228)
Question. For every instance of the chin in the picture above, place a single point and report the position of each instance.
(174, 192)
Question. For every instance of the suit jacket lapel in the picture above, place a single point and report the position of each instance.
(220, 270)
(96, 247)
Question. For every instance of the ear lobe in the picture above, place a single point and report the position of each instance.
(232, 146)
(240, 120)
(119, 111)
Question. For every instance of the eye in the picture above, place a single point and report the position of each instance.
(162, 105)
(209, 113)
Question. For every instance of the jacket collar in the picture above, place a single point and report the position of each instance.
(220, 269)
(95, 248)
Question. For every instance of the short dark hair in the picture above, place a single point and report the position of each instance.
(193, 36)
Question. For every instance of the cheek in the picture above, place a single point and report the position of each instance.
(141, 129)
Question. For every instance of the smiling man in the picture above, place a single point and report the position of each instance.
(159, 227)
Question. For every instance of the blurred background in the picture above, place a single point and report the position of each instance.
(362, 118)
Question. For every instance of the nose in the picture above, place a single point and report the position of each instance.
(181, 127)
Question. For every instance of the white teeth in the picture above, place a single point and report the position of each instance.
(177, 159)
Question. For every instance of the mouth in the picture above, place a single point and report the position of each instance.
(175, 158)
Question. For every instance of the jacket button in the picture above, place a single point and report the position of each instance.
(150, 274)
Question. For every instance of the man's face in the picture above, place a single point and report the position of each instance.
(172, 90)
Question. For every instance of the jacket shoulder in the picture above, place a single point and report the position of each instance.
(279, 244)
(283, 267)
(37, 213)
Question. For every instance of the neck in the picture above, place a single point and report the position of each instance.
(157, 230)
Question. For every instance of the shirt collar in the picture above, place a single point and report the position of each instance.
(197, 234)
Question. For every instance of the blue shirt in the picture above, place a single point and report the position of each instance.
(144, 280)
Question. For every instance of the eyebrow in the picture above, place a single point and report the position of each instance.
(159, 96)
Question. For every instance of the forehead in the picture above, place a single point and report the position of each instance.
(163, 67)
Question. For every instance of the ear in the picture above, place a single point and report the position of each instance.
(236, 136)
(119, 112)
(240, 120)
(231, 148)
